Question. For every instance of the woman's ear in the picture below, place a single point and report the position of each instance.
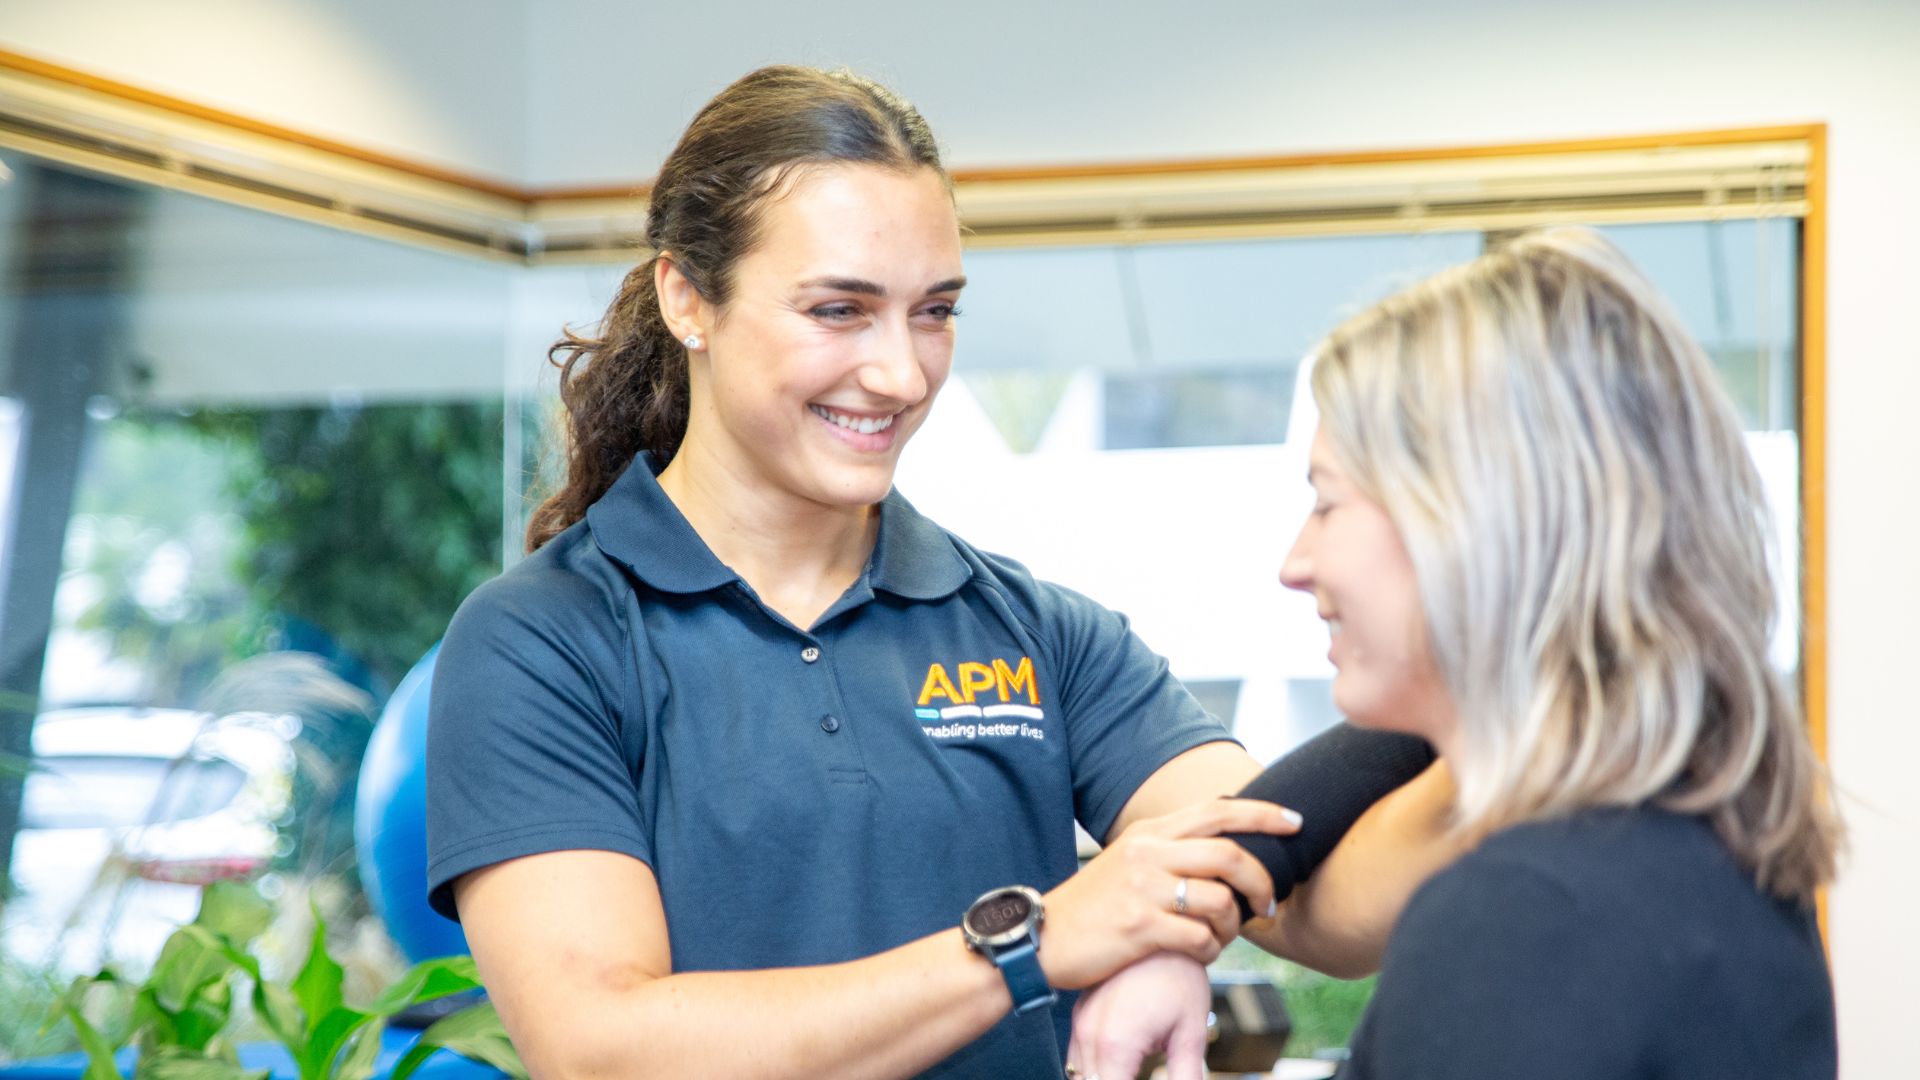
(682, 307)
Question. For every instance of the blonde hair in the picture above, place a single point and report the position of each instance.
(1590, 538)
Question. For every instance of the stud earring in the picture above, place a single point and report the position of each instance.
(692, 341)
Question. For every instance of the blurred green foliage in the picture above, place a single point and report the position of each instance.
(1324, 1010)
(181, 1020)
(370, 523)
(350, 530)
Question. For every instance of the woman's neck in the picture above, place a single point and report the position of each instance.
(799, 556)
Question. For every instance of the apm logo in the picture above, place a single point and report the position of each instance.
(981, 693)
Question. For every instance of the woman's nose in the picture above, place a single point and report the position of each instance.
(1296, 570)
(892, 368)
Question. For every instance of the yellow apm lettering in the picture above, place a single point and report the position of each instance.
(938, 685)
(1011, 679)
(975, 678)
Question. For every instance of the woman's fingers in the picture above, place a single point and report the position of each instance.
(1114, 1055)
(1158, 1004)
(1220, 860)
(1212, 903)
(1127, 901)
(1226, 816)
(1187, 936)
(1187, 1049)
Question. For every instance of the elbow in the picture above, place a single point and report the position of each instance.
(597, 1038)
(1342, 951)
(1347, 964)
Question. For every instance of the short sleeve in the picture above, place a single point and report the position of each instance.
(1126, 713)
(526, 752)
(1496, 970)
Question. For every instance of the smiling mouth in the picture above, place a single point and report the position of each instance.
(865, 425)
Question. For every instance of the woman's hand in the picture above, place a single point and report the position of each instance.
(1159, 1004)
(1162, 886)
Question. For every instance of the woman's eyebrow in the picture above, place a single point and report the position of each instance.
(846, 284)
(874, 288)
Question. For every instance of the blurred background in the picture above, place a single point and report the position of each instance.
(267, 415)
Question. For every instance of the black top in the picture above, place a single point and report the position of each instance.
(1616, 944)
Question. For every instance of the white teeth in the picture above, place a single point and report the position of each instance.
(863, 425)
(1333, 625)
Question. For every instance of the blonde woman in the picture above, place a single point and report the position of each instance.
(1539, 542)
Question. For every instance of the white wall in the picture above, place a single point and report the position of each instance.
(438, 81)
(599, 91)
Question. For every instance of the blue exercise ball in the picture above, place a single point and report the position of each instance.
(390, 822)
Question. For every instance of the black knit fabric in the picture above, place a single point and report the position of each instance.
(1331, 779)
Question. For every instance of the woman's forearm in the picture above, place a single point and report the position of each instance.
(894, 1014)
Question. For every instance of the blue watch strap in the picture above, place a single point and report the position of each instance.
(1020, 966)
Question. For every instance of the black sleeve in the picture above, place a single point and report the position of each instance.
(1331, 779)
(1497, 971)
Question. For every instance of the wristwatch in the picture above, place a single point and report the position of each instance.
(1003, 925)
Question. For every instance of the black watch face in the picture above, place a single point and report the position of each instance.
(1000, 913)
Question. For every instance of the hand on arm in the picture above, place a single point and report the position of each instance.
(1156, 1005)
(1338, 921)
(574, 949)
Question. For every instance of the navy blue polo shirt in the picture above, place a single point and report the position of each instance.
(804, 795)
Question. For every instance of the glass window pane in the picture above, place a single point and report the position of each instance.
(122, 792)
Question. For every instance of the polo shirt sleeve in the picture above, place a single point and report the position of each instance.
(1498, 969)
(1126, 713)
(526, 752)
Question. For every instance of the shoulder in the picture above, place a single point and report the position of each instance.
(567, 582)
(1636, 895)
(556, 613)
(1039, 603)
(1586, 869)
(1513, 930)
(1621, 935)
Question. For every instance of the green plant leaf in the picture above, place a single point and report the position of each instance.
(100, 1063)
(153, 1023)
(234, 911)
(474, 1033)
(280, 1013)
(191, 959)
(175, 1064)
(326, 1039)
(74, 998)
(357, 1064)
(425, 981)
(317, 987)
(205, 1015)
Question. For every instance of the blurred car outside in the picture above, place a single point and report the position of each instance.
(126, 813)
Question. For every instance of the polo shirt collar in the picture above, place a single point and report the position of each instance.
(636, 524)
(913, 557)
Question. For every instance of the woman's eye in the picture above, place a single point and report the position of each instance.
(833, 312)
(943, 312)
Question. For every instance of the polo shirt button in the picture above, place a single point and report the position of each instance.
(810, 654)
(829, 723)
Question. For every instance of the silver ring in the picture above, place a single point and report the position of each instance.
(1180, 897)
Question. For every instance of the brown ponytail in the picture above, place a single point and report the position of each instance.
(625, 390)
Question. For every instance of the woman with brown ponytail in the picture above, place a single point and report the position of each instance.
(715, 772)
